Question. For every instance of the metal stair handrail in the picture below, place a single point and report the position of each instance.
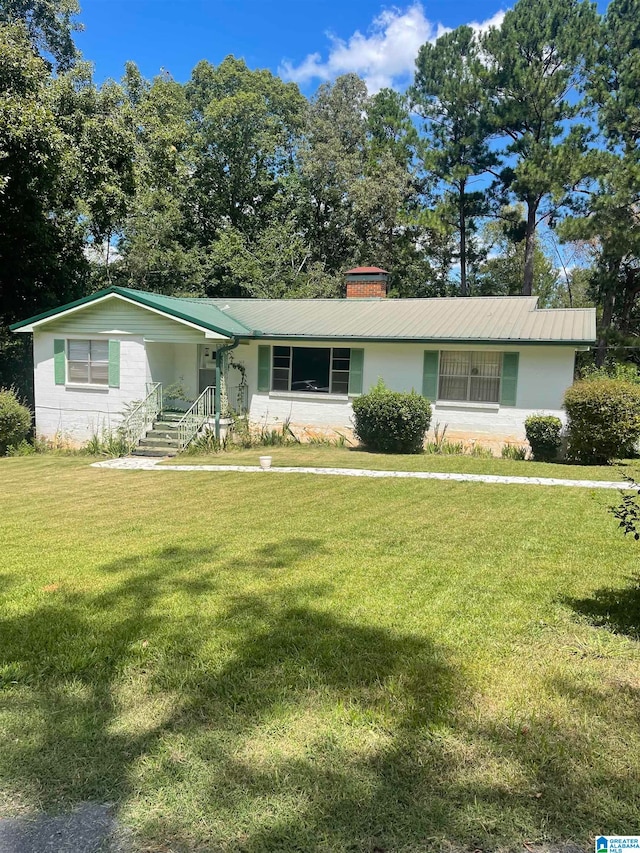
(142, 417)
(195, 418)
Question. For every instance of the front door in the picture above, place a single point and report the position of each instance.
(207, 371)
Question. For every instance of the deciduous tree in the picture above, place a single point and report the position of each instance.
(50, 25)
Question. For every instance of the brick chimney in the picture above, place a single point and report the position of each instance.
(367, 282)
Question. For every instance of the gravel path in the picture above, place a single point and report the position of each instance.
(141, 463)
(89, 828)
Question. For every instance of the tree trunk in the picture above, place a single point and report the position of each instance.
(529, 247)
(108, 268)
(605, 325)
(631, 290)
(462, 224)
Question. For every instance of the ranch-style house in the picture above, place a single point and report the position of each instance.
(123, 358)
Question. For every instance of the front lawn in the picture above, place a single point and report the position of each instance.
(323, 665)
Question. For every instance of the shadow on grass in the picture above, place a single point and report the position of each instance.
(615, 609)
(262, 722)
(6, 581)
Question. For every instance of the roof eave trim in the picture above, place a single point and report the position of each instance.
(582, 342)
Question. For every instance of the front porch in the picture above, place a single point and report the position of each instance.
(190, 388)
(185, 371)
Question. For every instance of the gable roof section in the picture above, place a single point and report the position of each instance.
(192, 311)
(491, 319)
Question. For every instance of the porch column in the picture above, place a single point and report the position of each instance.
(221, 401)
(216, 393)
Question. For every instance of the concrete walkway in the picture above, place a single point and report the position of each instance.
(140, 463)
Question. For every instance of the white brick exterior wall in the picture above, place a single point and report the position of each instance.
(74, 414)
(544, 373)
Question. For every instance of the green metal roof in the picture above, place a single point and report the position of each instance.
(515, 319)
(455, 319)
(198, 311)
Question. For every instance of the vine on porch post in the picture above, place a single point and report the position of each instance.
(224, 397)
(242, 385)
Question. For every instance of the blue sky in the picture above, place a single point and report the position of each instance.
(305, 40)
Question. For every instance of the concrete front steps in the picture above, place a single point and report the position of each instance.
(162, 440)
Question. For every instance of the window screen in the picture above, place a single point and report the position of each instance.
(340, 365)
(88, 362)
(281, 374)
(472, 376)
(311, 369)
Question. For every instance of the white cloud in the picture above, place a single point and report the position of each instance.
(96, 253)
(385, 56)
(494, 21)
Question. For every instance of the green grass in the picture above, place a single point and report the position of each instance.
(301, 455)
(333, 665)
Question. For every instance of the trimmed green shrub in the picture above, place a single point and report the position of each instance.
(604, 419)
(15, 420)
(391, 421)
(543, 434)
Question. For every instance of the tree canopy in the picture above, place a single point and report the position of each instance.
(509, 148)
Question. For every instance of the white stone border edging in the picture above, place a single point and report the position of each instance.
(145, 464)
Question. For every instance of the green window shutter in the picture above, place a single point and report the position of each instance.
(59, 362)
(114, 364)
(509, 388)
(264, 368)
(430, 374)
(356, 370)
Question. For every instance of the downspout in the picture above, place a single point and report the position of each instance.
(220, 351)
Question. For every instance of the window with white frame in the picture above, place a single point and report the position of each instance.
(88, 362)
(311, 369)
(470, 376)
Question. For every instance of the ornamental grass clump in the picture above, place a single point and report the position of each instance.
(391, 421)
(544, 436)
(604, 420)
(15, 420)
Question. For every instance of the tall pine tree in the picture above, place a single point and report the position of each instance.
(450, 93)
(536, 59)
